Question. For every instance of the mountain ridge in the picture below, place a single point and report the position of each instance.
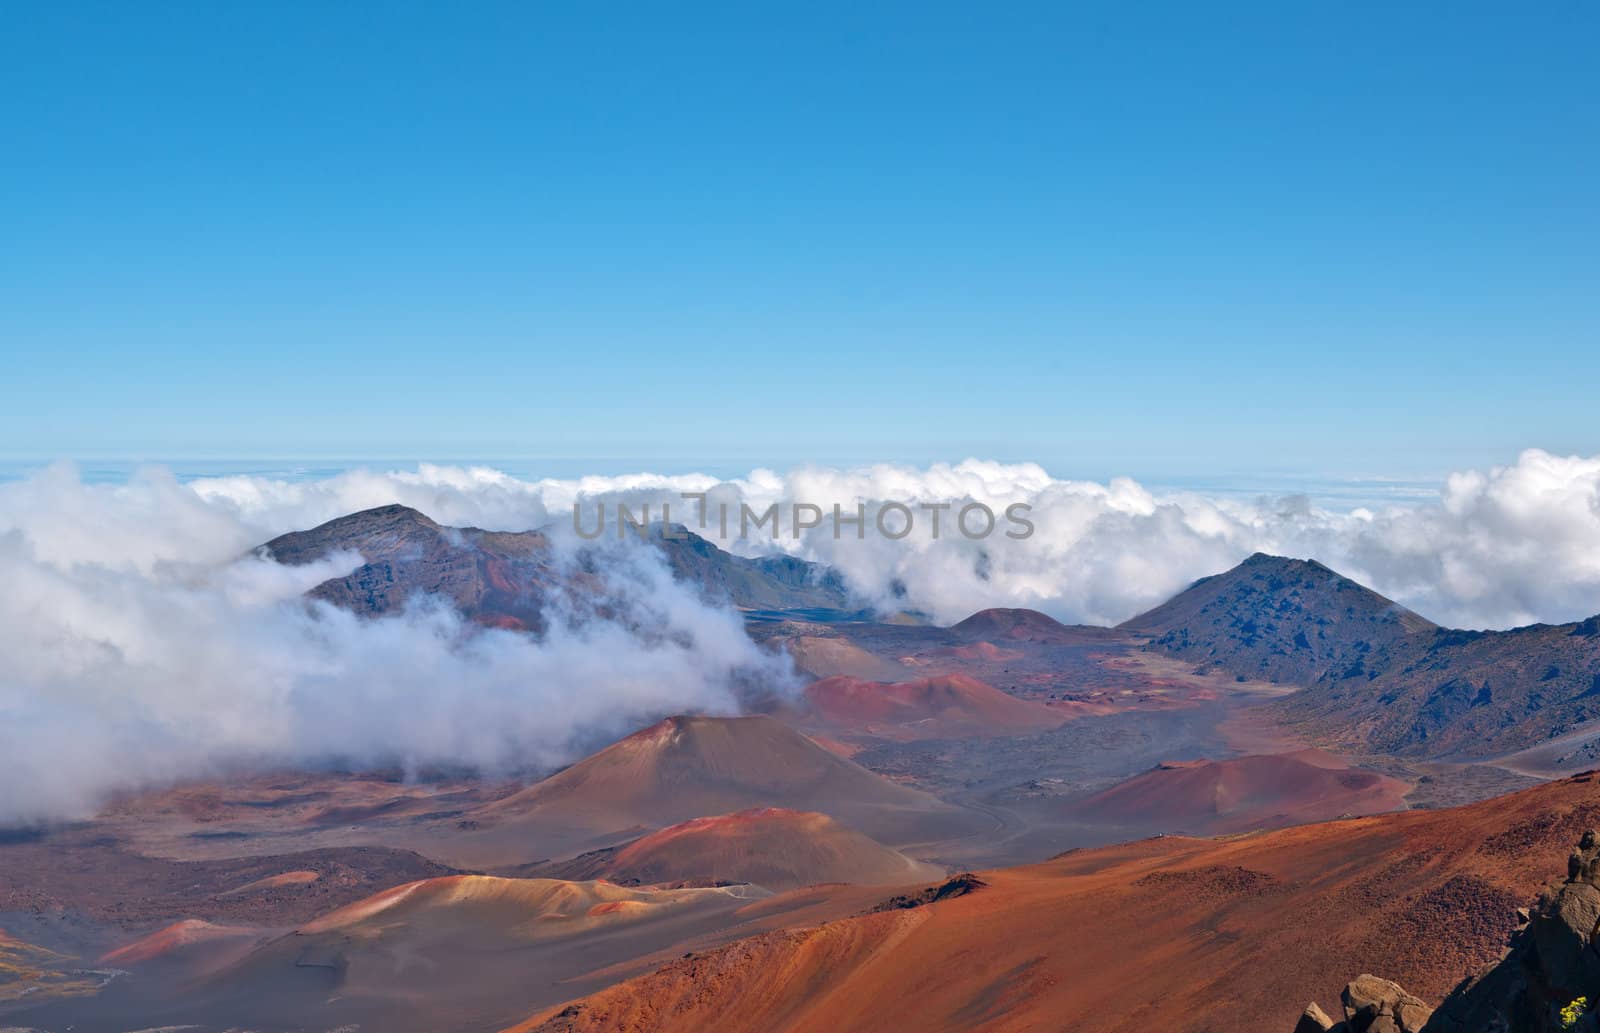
(1373, 675)
(505, 578)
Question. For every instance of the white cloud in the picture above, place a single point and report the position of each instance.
(1498, 548)
(140, 642)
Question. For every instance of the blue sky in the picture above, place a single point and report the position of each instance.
(1186, 241)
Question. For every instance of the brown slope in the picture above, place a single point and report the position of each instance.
(1170, 934)
(1215, 796)
(773, 848)
(1277, 619)
(687, 767)
(937, 707)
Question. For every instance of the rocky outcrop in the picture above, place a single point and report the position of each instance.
(1371, 1005)
(957, 886)
(1548, 981)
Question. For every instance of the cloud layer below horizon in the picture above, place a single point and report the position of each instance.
(1497, 548)
(141, 642)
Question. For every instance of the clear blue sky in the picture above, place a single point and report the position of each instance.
(1199, 238)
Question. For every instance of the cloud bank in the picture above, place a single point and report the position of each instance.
(1497, 548)
(140, 642)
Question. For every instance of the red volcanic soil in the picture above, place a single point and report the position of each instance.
(1169, 934)
(1016, 625)
(687, 767)
(771, 847)
(1216, 796)
(942, 706)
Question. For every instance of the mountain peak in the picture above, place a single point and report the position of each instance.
(393, 513)
(1271, 559)
(398, 510)
(1278, 618)
(365, 531)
